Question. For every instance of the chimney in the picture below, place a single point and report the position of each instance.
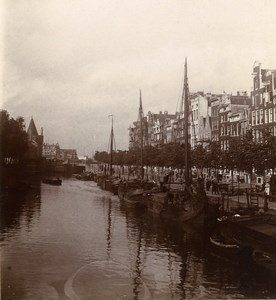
(42, 131)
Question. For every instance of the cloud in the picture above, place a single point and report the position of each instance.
(72, 63)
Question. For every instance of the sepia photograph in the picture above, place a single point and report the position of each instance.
(137, 149)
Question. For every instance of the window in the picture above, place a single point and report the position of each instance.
(270, 115)
(253, 117)
(228, 130)
(257, 117)
(261, 116)
(266, 116)
(274, 114)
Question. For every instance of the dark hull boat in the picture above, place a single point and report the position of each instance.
(265, 263)
(182, 202)
(179, 205)
(229, 249)
(111, 184)
(258, 231)
(136, 193)
(53, 181)
(85, 176)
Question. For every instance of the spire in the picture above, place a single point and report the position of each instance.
(141, 106)
(32, 131)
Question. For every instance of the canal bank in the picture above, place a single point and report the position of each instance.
(233, 203)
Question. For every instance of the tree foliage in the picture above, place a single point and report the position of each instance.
(243, 154)
(13, 138)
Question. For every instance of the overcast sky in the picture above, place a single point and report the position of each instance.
(71, 63)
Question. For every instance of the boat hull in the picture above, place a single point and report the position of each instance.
(52, 181)
(180, 207)
(265, 263)
(230, 250)
(258, 231)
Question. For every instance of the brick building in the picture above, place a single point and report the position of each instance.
(233, 114)
(263, 95)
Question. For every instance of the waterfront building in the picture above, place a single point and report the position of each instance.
(160, 128)
(35, 143)
(138, 131)
(51, 151)
(68, 154)
(215, 102)
(233, 112)
(134, 132)
(263, 95)
(200, 120)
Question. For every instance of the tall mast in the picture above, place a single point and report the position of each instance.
(111, 145)
(142, 133)
(186, 120)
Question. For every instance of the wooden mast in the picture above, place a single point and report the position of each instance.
(111, 145)
(142, 133)
(186, 127)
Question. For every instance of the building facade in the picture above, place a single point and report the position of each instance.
(233, 115)
(51, 151)
(200, 120)
(216, 117)
(263, 95)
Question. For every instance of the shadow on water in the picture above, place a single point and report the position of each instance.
(200, 274)
(174, 240)
(18, 204)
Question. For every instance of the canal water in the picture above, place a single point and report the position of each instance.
(76, 241)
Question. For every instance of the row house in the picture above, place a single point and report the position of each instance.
(216, 117)
(200, 120)
(157, 130)
(135, 132)
(160, 128)
(263, 95)
(68, 154)
(233, 117)
(214, 102)
(51, 151)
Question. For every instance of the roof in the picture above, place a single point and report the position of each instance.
(32, 129)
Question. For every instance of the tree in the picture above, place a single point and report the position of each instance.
(248, 153)
(13, 138)
(199, 155)
(267, 153)
(214, 155)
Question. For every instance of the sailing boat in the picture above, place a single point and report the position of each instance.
(137, 191)
(110, 182)
(187, 201)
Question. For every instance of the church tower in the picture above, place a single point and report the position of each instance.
(35, 141)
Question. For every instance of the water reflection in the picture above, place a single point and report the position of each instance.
(20, 207)
(76, 240)
(173, 247)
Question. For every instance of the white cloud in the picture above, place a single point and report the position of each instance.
(72, 63)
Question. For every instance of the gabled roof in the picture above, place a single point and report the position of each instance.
(32, 129)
